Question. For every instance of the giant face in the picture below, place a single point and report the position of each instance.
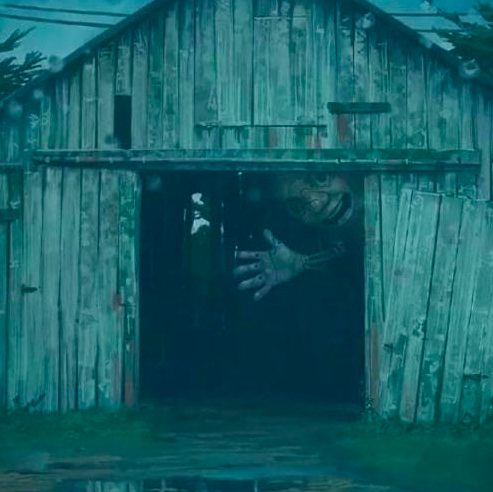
(316, 199)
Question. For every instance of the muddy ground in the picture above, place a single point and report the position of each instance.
(233, 446)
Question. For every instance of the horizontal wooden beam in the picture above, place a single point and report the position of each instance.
(330, 160)
(359, 107)
(11, 167)
(9, 214)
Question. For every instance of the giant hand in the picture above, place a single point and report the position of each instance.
(278, 265)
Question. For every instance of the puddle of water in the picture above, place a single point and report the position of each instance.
(201, 484)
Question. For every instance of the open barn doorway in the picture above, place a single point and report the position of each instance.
(202, 337)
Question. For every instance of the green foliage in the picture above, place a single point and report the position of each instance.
(12, 73)
(474, 41)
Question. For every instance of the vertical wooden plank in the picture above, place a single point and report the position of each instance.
(397, 91)
(87, 336)
(486, 381)
(187, 73)
(439, 308)
(69, 286)
(89, 107)
(139, 86)
(128, 281)
(110, 323)
(416, 302)
(34, 342)
(155, 83)
(483, 138)
(47, 119)
(171, 90)
(205, 65)
(443, 119)
(374, 308)
(460, 312)
(416, 120)
(224, 49)
(466, 182)
(361, 77)
(14, 318)
(4, 261)
(242, 91)
(74, 115)
(106, 60)
(479, 322)
(393, 318)
(324, 46)
(123, 79)
(61, 128)
(262, 104)
(345, 72)
(50, 286)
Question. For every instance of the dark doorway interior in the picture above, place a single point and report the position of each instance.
(200, 337)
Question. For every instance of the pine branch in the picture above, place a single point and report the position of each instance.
(14, 40)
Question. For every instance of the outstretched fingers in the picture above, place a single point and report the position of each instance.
(252, 283)
(261, 293)
(242, 270)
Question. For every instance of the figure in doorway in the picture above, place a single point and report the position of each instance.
(310, 278)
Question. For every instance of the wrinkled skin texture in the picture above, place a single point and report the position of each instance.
(323, 201)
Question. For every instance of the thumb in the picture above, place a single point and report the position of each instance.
(269, 237)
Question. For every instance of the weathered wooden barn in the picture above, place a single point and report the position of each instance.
(248, 85)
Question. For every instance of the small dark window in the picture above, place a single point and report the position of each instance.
(123, 120)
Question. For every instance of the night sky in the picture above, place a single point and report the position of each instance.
(61, 40)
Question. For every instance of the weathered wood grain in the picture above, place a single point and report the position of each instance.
(483, 114)
(379, 84)
(128, 269)
(460, 312)
(443, 118)
(361, 77)
(30, 378)
(48, 122)
(88, 105)
(389, 196)
(324, 55)
(61, 127)
(416, 301)
(393, 316)
(50, 286)
(74, 114)
(437, 321)
(479, 322)
(69, 286)
(139, 86)
(374, 307)
(241, 87)
(110, 329)
(87, 336)
(106, 68)
(14, 315)
(4, 264)
(397, 91)
(205, 100)
(486, 370)
(171, 89)
(187, 73)
(466, 182)
(123, 73)
(155, 83)
(345, 91)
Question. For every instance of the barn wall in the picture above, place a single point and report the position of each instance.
(257, 74)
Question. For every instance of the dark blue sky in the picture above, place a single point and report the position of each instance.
(61, 40)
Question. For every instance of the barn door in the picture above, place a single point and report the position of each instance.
(436, 359)
(77, 346)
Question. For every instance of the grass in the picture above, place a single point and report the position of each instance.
(438, 459)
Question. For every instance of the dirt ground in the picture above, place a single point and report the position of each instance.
(232, 446)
